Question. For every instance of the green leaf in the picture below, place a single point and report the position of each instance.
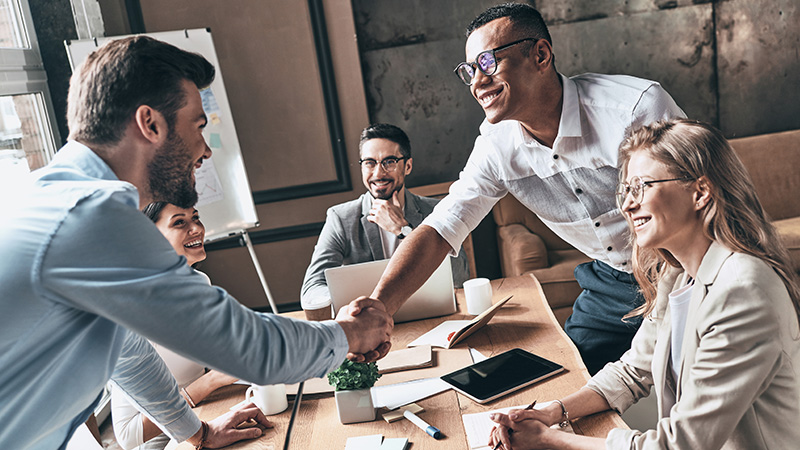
(352, 375)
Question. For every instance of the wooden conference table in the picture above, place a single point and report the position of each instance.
(526, 321)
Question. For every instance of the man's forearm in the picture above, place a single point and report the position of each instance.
(411, 265)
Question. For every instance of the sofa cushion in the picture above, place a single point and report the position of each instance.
(509, 210)
(773, 161)
(520, 250)
(789, 230)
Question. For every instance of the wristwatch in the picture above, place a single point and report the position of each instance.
(405, 231)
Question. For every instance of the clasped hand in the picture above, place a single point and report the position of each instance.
(519, 430)
(368, 328)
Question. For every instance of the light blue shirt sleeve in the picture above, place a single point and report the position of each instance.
(136, 280)
(143, 377)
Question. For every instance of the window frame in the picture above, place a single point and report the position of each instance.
(22, 72)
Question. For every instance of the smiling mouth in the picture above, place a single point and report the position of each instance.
(486, 99)
(639, 222)
(197, 243)
(381, 183)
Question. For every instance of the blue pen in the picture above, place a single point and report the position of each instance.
(430, 429)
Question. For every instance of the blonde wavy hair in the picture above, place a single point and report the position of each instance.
(733, 217)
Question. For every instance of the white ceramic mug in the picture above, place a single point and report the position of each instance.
(478, 292)
(270, 399)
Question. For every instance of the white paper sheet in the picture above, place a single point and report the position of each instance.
(394, 396)
(371, 442)
(479, 426)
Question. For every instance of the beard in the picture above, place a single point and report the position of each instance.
(386, 194)
(170, 181)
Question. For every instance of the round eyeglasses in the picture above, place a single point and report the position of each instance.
(486, 62)
(636, 189)
(389, 164)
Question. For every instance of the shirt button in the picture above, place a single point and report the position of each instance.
(597, 224)
(555, 156)
(608, 248)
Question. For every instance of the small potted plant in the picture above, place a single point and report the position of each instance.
(352, 382)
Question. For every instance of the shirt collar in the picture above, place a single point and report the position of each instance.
(570, 122)
(74, 154)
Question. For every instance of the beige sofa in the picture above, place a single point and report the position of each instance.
(525, 244)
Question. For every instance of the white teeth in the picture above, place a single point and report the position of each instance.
(488, 98)
(194, 243)
(639, 222)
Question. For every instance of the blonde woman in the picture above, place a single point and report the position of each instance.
(720, 341)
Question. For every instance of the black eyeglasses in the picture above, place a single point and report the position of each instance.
(486, 62)
(389, 164)
(636, 189)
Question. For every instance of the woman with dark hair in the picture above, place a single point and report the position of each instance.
(720, 341)
(185, 232)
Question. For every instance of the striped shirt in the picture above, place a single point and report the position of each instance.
(570, 186)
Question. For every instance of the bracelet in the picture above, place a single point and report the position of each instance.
(564, 415)
(188, 398)
(202, 444)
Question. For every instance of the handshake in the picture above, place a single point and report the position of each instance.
(368, 328)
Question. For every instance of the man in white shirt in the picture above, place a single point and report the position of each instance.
(551, 141)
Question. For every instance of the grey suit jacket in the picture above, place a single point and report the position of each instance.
(738, 384)
(349, 238)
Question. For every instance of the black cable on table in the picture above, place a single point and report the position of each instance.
(297, 398)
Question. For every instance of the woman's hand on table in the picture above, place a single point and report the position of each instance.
(245, 423)
(524, 431)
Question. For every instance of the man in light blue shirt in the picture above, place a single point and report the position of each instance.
(81, 266)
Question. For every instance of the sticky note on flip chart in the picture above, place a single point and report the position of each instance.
(214, 141)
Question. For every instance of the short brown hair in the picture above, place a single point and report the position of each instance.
(124, 74)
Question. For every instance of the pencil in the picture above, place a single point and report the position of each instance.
(510, 431)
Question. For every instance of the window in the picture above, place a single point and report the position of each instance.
(27, 137)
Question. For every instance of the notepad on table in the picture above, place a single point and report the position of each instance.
(450, 332)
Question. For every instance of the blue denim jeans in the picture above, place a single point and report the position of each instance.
(596, 326)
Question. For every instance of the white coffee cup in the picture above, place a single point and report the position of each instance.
(270, 399)
(478, 292)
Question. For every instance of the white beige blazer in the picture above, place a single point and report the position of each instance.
(738, 384)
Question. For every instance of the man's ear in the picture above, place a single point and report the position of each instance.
(702, 193)
(151, 124)
(409, 163)
(543, 53)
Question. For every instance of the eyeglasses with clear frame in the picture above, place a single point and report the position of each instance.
(636, 189)
(389, 164)
(486, 62)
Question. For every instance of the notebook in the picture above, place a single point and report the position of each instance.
(435, 298)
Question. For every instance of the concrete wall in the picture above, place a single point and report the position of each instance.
(732, 63)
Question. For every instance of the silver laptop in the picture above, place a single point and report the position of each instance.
(435, 298)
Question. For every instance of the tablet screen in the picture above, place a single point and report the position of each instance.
(501, 374)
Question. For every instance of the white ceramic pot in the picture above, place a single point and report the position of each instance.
(355, 406)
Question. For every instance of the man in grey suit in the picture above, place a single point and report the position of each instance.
(371, 227)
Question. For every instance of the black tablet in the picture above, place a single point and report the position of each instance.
(501, 374)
